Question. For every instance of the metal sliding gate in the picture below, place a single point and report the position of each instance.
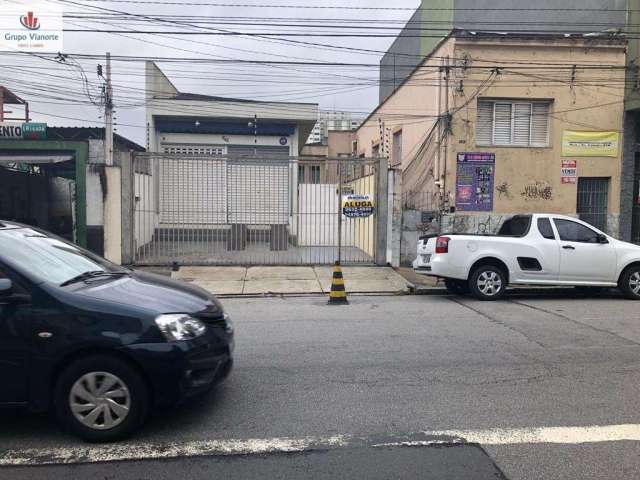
(217, 210)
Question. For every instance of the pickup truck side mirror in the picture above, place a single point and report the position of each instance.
(602, 238)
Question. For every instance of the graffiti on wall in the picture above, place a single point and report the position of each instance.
(537, 191)
(504, 191)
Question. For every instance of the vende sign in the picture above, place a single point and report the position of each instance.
(10, 130)
(31, 27)
(569, 172)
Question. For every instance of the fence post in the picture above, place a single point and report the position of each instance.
(128, 207)
(382, 210)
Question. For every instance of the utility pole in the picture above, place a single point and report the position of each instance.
(108, 116)
(447, 132)
(255, 135)
(339, 211)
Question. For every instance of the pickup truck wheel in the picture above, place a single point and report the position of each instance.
(630, 282)
(456, 287)
(488, 282)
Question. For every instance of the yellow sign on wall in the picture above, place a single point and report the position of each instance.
(590, 144)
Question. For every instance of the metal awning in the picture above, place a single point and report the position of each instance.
(34, 159)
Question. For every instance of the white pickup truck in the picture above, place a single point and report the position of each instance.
(537, 249)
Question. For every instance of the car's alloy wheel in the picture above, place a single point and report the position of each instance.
(100, 400)
(488, 283)
(634, 282)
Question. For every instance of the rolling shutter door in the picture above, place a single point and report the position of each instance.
(261, 150)
(193, 190)
(258, 192)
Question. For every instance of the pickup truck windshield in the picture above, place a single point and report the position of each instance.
(49, 259)
(517, 226)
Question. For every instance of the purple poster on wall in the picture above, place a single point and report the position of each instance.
(474, 182)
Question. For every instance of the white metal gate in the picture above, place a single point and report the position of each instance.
(195, 209)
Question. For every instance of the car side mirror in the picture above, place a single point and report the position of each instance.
(602, 238)
(6, 287)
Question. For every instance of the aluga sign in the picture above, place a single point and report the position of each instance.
(357, 206)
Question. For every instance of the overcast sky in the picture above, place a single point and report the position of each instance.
(336, 88)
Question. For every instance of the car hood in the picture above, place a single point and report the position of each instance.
(154, 293)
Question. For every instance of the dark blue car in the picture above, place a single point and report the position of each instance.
(100, 344)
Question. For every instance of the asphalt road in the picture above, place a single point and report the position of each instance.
(345, 392)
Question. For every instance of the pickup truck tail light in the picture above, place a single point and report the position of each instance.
(442, 245)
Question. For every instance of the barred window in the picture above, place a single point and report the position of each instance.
(512, 123)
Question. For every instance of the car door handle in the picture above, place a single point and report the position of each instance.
(569, 247)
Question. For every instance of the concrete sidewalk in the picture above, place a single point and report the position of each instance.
(292, 280)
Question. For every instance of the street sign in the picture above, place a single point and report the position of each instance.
(357, 206)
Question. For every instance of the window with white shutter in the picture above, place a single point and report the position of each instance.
(484, 124)
(512, 123)
(540, 125)
(502, 124)
(521, 124)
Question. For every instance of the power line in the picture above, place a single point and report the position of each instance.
(346, 7)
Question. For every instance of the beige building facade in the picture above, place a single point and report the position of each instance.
(490, 125)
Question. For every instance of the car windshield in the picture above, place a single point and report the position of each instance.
(48, 259)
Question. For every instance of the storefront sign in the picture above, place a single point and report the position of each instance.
(357, 206)
(31, 27)
(474, 182)
(10, 130)
(24, 131)
(569, 171)
(34, 131)
(590, 144)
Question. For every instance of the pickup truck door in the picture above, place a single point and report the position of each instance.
(582, 257)
(547, 254)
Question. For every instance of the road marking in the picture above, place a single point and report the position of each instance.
(151, 451)
(156, 451)
(558, 435)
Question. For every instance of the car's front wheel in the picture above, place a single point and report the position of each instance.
(101, 398)
(488, 282)
(630, 282)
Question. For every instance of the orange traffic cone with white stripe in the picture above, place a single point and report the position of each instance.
(338, 295)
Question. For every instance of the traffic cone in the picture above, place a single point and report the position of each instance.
(338, 295)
